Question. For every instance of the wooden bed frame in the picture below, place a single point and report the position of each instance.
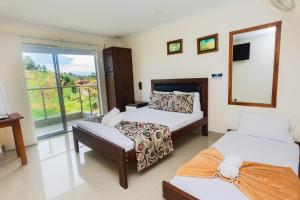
(122, 157)
(171, 192)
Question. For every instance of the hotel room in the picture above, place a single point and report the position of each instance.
(149, 100)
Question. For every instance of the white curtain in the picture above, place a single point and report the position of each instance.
(4, 109)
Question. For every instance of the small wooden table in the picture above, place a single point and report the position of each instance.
(13, 121)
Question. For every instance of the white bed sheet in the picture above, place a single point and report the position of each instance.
(249, 148)
(173, 120)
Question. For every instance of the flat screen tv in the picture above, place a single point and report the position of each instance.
(241, 52)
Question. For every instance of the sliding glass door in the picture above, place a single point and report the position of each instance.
(62, 87)
(42, 85)
(79, 86)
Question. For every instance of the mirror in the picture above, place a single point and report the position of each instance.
(253, 65)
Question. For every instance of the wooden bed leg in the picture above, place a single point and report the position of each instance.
(76, 145)
(205, 130)
(123, 173)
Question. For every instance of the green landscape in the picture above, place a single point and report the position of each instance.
(79, 92)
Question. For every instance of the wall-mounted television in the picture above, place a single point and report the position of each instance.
(241, 52)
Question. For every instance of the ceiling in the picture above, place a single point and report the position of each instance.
(103, 17)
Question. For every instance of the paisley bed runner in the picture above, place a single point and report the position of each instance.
(152, 141)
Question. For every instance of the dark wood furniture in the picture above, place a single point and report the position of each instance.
(122, 157)
(13, 121)
(171, 192)
(276, 65)
(118, 76)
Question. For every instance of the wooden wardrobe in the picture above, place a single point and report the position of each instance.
(118, 77)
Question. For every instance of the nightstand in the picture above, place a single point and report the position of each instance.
(135, 105)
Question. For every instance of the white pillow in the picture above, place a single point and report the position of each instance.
(196, 103)
(291, 130)
(110, 115)
(161, 92)
(260, 125)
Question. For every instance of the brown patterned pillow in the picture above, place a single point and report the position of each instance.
(159, 100)
(183, 103)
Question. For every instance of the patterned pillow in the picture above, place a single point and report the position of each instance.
(183, 103)
(160, 101)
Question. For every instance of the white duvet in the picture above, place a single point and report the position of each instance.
(173, 120)
(249, 148)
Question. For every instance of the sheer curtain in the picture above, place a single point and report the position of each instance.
(4, 109)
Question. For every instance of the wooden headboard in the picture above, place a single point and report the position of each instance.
(185, 85)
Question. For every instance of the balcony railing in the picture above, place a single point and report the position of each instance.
(45, 102)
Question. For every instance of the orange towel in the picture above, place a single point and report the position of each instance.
(257, 181)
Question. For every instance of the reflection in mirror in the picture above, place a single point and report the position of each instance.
(253, 67)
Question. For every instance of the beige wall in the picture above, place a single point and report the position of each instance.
(13, 78)
(151, 62)
(12, 73)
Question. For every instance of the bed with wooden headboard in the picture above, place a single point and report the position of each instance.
(122, 157)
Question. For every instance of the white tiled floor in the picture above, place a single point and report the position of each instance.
(42, 131)
(55, 171)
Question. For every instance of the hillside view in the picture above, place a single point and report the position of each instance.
(78, 89)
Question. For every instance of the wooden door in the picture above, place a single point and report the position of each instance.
(110, 90)
(124, 76)
(108, 60)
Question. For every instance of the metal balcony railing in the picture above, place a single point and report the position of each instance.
(82, 91)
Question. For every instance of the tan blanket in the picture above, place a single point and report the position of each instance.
(255, 180)
(152, 141)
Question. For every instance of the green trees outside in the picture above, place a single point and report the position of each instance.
(77, 91)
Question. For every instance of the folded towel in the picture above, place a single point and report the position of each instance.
(256, 180)
(230, 167)
(110, 115)
(114, 121)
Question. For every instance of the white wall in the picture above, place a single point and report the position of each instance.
(12, 73)
(13, 78)
(151, 62)
(252, 79)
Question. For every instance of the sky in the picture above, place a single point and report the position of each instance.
(77, 64)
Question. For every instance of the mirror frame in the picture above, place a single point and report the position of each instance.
(276, 64)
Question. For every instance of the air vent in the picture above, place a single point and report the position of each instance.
(284, 5)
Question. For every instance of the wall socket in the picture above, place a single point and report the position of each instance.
(217, 76)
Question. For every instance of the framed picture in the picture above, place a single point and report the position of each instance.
(208, 44)
(174, 47)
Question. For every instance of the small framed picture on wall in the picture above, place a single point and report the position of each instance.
(174, 47)
(208, 44)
